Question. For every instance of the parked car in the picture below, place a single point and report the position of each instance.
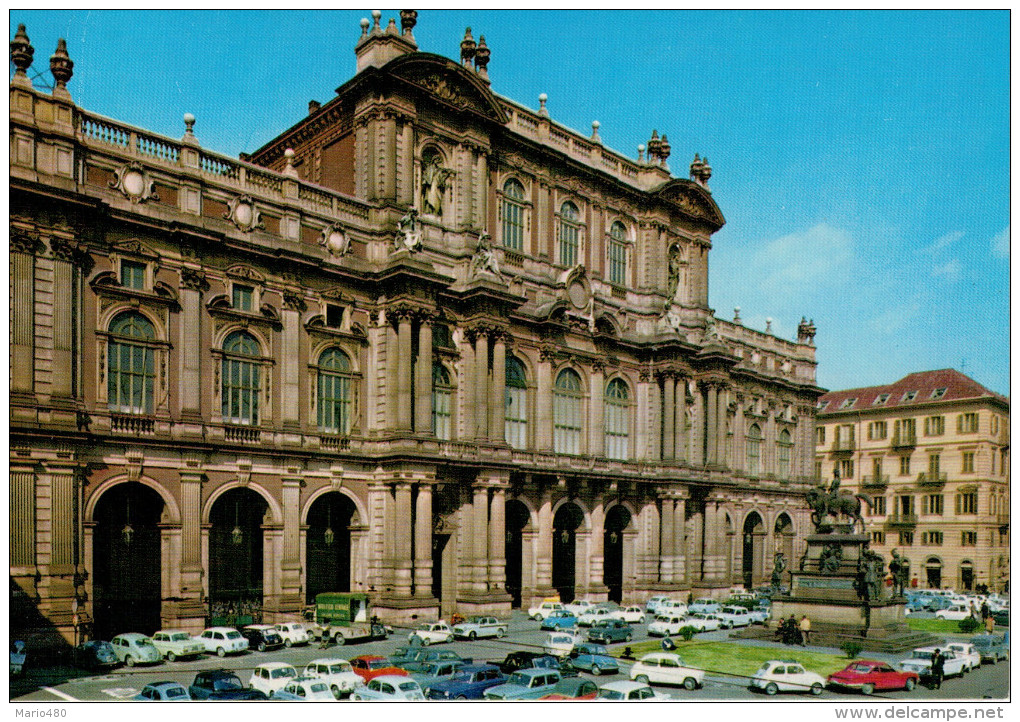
(631, 615)
(572, 688)
(761, 613)
(624, 691)
(705, 605)
(307, 689)
(471, 683)
(919, 661)
(432, 633)
(868, 675)
(667, 625)
(525, 684)
(18, 657)
(579, 606)
(415, 654)
(652, 605)
(174, 643)
(967, 652)
(991, 647)
(338, 674)
(223, 640)
(593, 658)
(594, 615)
(428, 673)
(272, 676)
(559, 619)
(703, 622)
(1001, 617)
(221, 684)
(262, 637)
(389, 688)
(666, 668)
(133, 648)
(610, 630)
(734, 617)
(477, 627)
(520, 660)
(673, 607)
(95, 654)
(370, 666)
(164, 692)
(559, 644)
(293, 633)
(786, 675)
(541, 611)
(954, 612)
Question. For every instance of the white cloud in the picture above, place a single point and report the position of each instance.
(950, 270)
(1000, 243)
(942, 242)
(811, 257)
(895, 318)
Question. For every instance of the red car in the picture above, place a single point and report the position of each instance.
(369, 666)
(572, 688)
(867, 675)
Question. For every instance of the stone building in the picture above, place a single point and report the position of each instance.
(932, 453)
(427, 343)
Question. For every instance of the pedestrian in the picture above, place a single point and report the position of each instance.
(938, 668)
(989, 624)
(805, 630)
(984, 610)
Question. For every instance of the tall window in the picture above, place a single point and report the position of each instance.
(130, 362)
(240, 379)
(904, 466)
(132, 275)
(933, 465)
(968, 462)
(967, 503)
(932, 504)
(754, 449)
(567, 422)
(570, 232)
(967, 423)
(846, 468)
(934, 425)
(516, 419)
(618, 254)
(819, 435)
(878, 506)
(242, 297)
(784, 444)
(876, 430)
(442, 403)
(617, 421)
(513, 215)
(336, 407)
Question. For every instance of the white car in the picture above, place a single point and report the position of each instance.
(672, 607)
(666, 668)
(272, 676)
(389, 688)
(970, 655)
(704, 622)
(293, 633)
(593, 615)
(560, 644)
(223, 640)
(543, 610)
(432, 633)
(705, 605)
(631, 615)
(308, 690)
(480, 627)
(666, 625)
(174, 643)
(734, 617)
(919, 661)
(652, 605)
(133, 648)
(579, 606)
(624, 691)
(338, 674)
(786, 675)
(956, 613)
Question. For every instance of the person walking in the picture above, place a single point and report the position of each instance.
(805, 630)
(938, 668)
(989, 623)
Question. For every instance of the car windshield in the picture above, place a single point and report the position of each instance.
(610, 694)
(283, 672)
(476, 620)
(318, 687)
(424, 627)
(378, 664)
(861, 668)
(765, 667)
(408, 686)
(521, 680)
(182, 637)
(144, 642)
(174, 692)
(595, 649)
(224, 683)
(233, 635)
(339, 668)
(920, 654)
(544, 662)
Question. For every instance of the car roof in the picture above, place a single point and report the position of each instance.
(165, 683)
(327, 660)
(219, 629)
(369, 657)
(171, 631)
(274, 665)
(477, 666)
(132, 635)
(394, 678)
(623, 685)
(260, 626)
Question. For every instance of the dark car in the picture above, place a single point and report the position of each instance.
(216, 684)
(1001, 617)
(471, 683)
(573, 688)
(527, 660)
(95, 654)
(610, 630)
(404, 656)
(262, 637)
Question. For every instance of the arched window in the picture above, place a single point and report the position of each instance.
(617, 420)
(512, 212)
(130, 359)
(442, 403)
(784, 444)
(240, 379)
(335, 392)
(516, 419)
(570, 233)
(618, 254)
(754, 449)
(567, 419)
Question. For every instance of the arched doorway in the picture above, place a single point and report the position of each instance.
(617, 520)
(328, 545)
(235, 557)
(933, 572)
(754, 546)
(127, 561)
(565, 523)
(517, 517)
(966, 575)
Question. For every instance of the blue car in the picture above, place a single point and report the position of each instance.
(471, 683)
(559, 619)
(593, 658)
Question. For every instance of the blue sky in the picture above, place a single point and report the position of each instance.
(861, 158)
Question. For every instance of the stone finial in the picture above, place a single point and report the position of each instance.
(482, 55)
(21, 52)
(806, 331)
(542, 110)
(391, 27)
(364, 27)
(467, 47)
(376, 15)
(189, 129)
(654, 145)
(61, 66)
(313, 106)
(768, 325)
(701, 171)
(706, 172)
(595, 125)
(290, 170)
(664, 149)
(736, 314)
(408, 19)
(641, 153)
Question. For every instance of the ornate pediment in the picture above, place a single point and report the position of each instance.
(692, 200)
(246, 272)
(449, 83)
(135, 248)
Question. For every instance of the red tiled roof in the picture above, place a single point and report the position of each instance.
(924, 383)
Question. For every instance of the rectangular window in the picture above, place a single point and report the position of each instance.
(334, 316)
(820, 435)
(968, 462)
(904, 432)
(876, 470)
(906, 505)
(243, 297)
(513, 225)
(934, 425)
(968, 538)
(906, 538)
(878, 537)
(931, 538)
(932, 504)
(877, 430)
(1002, 463)
(878, 506)
(967, 503)
(818, 470)
(904, 466)
(132, 275)
(846, 468)
(516, 420)
(967, 423)
(617, 262)
(845, 436)
(933, 465)
(442, 412)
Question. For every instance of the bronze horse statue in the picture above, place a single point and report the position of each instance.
(824, 502)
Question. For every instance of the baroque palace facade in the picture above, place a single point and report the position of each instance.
(932, 453)
(426, 344)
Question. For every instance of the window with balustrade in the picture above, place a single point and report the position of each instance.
(130, 364)
(512, 215)
(442, 402)
(618, 254)
(240, 379)
(570, 234)
(617, 420)
(336, 392)
(568, 405)
(516, 419)
(784, 447)
(753, 449)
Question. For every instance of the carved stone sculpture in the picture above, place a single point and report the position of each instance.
(408, 237)
(433, 185)
(484, 262)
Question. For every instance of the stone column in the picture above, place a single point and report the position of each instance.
(679, 542)
(467, 385)
(596, 548)
(359, 534)
(482, 385)
(497, 539)
(582, 562)
(543, 566)
(666, 541)
(65, 300)
(290, 563)
(483, 192)
(404, 372)
(596, 412)
(378, 550)
(22, 516)
(423, 541)
(680, 403)
(191, 533)
(23, 315)
(479, 538)
(721, 434)
(392, 399)
(712, 426)
(62, 515)
(649, 563)
(739, 433)
(697, 454)
(497, 389)
(290, 395)
(402, 538)
(423, 378)
(543, 406)
(669, 417)
(190, 324)
(715, 542)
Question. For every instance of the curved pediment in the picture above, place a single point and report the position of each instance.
(448, 82)
(692, 200)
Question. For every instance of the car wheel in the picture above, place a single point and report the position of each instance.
(472, 635)
(287, 643)
(425, 641)
(910, 684)
(221, 652)
(461, 696)
(771, 689)
(129, 661)
(536, 618)
(867, 688)
(596, 670)
(262, 646)
(500, 633)
(642, 678)
(171, 657)
(641, 620)
(816, 688)
(340, 639)
(690, 683)
(627, 638)
(336, 692)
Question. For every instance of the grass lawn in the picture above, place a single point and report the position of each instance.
(737, 659)
(937, 626)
